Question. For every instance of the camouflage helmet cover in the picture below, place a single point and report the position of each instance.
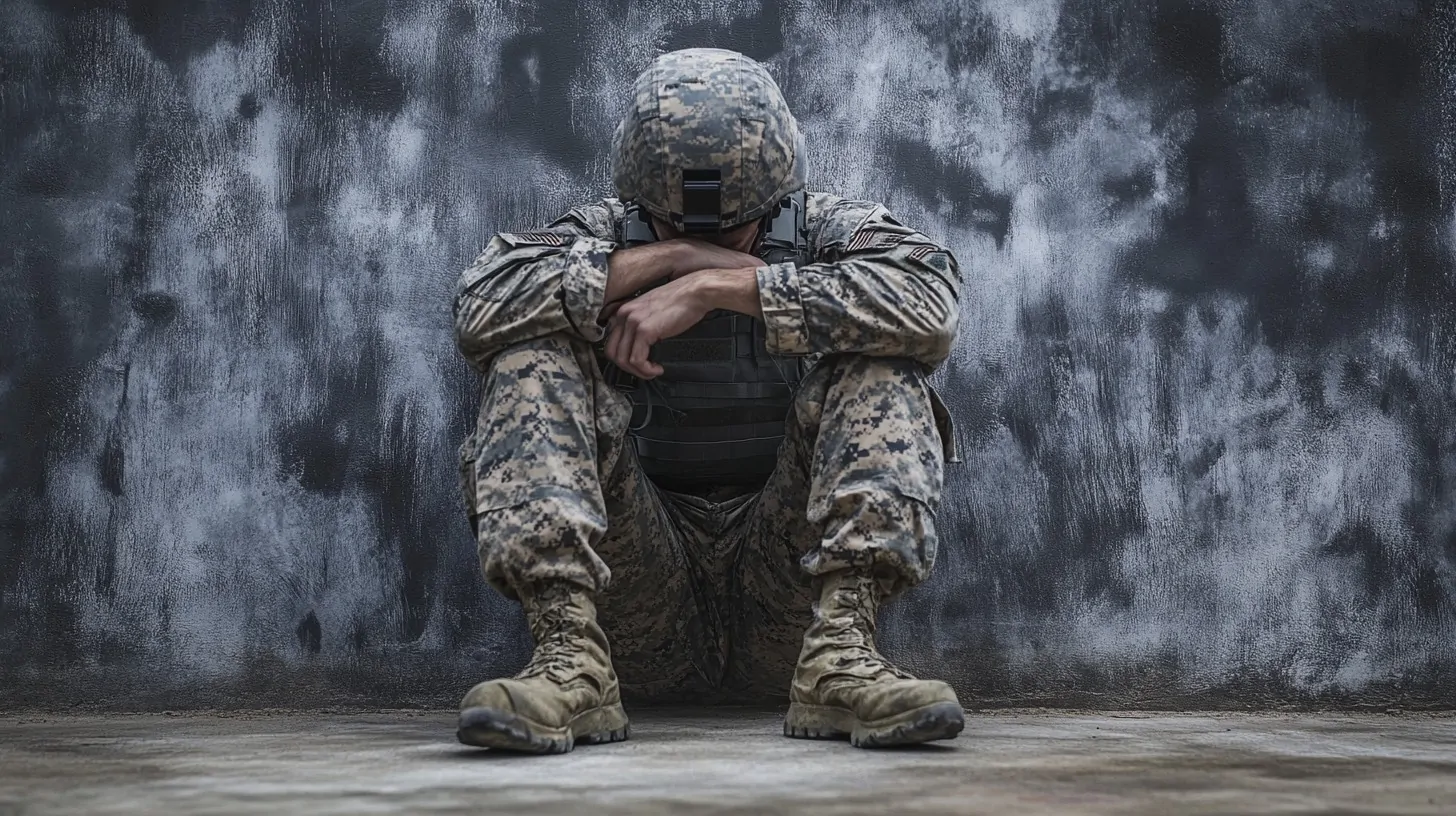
(708, 109)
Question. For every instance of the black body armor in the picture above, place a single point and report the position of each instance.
(716, 414)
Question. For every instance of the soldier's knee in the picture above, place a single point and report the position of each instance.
(554, 362)
(874, 418)
(843, 381)
(557, 346)
(837, 369)
(867, 368)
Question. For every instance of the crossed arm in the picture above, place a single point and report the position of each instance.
(703, 276)
(876, 287)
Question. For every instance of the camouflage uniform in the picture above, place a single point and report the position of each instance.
(701, 592)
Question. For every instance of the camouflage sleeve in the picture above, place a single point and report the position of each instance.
(876, 287)
(531, 284)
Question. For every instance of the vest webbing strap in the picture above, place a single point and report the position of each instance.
(707, 435)
(662, 450)
(729, 391)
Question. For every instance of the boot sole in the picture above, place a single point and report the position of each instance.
(937, 721)
(507, 731)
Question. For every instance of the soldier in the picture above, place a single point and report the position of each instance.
(706, 435)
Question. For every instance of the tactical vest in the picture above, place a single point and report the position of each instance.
(716, 414)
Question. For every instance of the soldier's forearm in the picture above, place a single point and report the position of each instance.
(630, 270)
(733, 289)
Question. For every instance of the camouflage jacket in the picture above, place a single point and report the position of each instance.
(874, 287)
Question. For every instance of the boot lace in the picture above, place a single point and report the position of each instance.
(553, 629)
(854, 633)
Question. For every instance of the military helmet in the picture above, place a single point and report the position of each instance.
(709, 142)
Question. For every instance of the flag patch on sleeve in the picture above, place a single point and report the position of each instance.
(873, 239)
(525, 238)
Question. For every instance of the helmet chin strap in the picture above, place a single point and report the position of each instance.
(759, 234)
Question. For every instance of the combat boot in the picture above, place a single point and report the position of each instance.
(566, 694)
(844, 689)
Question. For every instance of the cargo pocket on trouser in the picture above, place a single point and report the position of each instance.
(544, 534)
(885, 532)
(466, 456)
(944, 425)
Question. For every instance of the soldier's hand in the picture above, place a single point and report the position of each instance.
(667, 311)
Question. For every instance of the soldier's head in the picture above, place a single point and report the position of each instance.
(708, 146)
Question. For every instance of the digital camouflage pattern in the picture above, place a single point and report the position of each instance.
(698, 593)
(706, 108)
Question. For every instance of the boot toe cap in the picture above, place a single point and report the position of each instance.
(884, 700)
(545, 704)
(490, 694)
(510, 696)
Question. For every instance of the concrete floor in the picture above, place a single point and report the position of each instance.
(730, 762)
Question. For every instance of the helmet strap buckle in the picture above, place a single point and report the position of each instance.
(702, 202)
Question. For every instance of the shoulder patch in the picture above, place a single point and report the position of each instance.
(598, 220)
(537, 238)
(920, 253)
(844, 220)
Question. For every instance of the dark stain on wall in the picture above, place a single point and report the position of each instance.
(1204, 385)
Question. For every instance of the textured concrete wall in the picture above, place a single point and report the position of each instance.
(1204, 383)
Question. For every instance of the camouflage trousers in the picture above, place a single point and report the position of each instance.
(701, 597)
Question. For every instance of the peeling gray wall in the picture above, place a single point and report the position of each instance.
(1204, 384)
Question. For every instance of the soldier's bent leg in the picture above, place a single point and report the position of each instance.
(532, 469)
(864, 446)
(546, 474)
(663, 625)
